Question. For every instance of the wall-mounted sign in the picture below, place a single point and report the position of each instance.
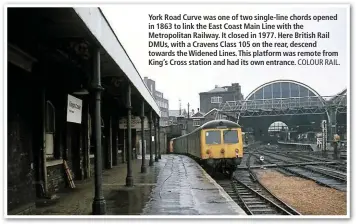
(74, 110)
(135, 123)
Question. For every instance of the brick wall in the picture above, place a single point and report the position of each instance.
(20, 176)
(56, 178)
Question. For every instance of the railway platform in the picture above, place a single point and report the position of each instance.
(316, 149)
(175, 185)
(313, 147)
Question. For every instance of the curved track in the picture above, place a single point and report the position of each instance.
(252, 196)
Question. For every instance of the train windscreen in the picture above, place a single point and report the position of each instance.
(212, 137)
(230, 137)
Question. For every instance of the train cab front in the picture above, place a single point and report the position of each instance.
(238, 159)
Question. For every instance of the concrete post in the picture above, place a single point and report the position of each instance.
(99, 204)
(143, 166)
(129, 179)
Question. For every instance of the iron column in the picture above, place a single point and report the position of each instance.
(124, 148)
(159, 140)
(143, 152)
(150, 140)
(187, 128)
(99, 204)
(156, 143)
(129, 179)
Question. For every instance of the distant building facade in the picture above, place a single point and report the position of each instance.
(161, 101)
(195, 120)
(213, 98)
(179, 121)
(173, 114)
(199, 118)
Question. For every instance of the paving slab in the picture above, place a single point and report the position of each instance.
(184, 188)
(120, 200)
(175, 185)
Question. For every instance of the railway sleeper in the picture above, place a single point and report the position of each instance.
(256, 203)
(250, 196)
(258, 206)
(264, 211)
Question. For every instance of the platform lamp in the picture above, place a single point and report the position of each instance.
(81, 92)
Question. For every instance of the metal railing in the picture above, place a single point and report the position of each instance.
(282, 103)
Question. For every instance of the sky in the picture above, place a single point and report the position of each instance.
(130, 23)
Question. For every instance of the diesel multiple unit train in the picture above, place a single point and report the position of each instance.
(217, 144)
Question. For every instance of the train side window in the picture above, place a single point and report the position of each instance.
(230, 137)
(212, 137)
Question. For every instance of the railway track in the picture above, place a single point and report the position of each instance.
(319, 174)
(339, 165)
(252, 196)
(338, 168)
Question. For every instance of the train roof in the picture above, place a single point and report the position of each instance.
(220, 123)
(214, 124)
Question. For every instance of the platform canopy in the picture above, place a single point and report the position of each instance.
(68, 35)
(100, 28)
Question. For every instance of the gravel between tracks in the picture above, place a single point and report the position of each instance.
(305, 196)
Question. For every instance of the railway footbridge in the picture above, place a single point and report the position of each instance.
(297, 105)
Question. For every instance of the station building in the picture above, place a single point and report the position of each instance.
(70, 82)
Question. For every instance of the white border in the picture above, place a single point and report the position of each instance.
(185, 217)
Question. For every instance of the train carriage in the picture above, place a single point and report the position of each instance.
(217, 144)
